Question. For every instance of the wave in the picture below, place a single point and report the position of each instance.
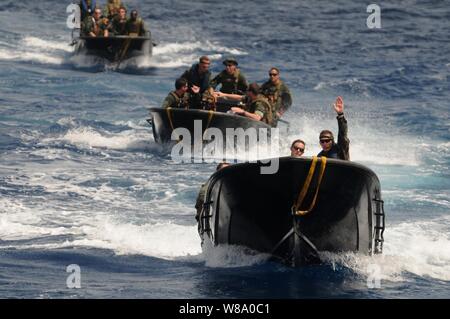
(47, 45)
(88, 137)
(353, 85)
(420, 248)
(30, 57)
(33, 49)
(231, 256)
(178, 54)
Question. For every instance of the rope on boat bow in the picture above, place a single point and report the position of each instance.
(301, 196)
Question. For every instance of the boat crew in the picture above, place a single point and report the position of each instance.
(95, 26)
(135, 26)
(330, 148)
(178, 98)
(257, 106)
(119, 23)
(298, 148)
(231, 79)
(198, 77)
(277, 92)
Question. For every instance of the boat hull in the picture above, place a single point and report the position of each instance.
(247, 208)
(165, 121)
(115, 49)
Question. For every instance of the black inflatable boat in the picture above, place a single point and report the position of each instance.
(114, 48)
(165, 121)
(310, 206)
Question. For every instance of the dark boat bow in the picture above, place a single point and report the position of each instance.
(115, 48)
(244, 207)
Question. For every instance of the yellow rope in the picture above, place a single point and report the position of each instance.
(302, 194)
(306, 185)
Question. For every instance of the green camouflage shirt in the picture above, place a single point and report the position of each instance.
(278, 95)
(231, 83)
(261, 107)
(97, 27)
(173, 100)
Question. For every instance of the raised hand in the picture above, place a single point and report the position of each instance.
(339, 105)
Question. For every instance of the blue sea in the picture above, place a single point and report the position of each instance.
(82, 181)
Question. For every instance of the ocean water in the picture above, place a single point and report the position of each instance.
(83, 182)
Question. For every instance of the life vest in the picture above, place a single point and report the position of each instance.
(268, 116)
(181, 102)
(134, 27)
(272, 92)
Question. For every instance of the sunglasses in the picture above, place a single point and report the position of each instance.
(273, 74)
(298, 149)
(325, 141)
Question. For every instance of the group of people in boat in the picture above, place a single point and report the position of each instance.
(330, 148)
(111, 21)
(196, 89)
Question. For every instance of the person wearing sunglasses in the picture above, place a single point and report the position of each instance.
(298, 148)
(339, 150)
(277, 92)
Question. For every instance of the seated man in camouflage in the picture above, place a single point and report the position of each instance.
(257, 106)
(119, 23)
(277, 93)
(231, 79)
(178, 98)
(96, 26)
(135, 26)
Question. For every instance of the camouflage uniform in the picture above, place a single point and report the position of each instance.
(261, 107)
(278, 95)
(97, 27)
(136, 27)
(118, 26)
(341, 150)
(231, 83)
(173, 100)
